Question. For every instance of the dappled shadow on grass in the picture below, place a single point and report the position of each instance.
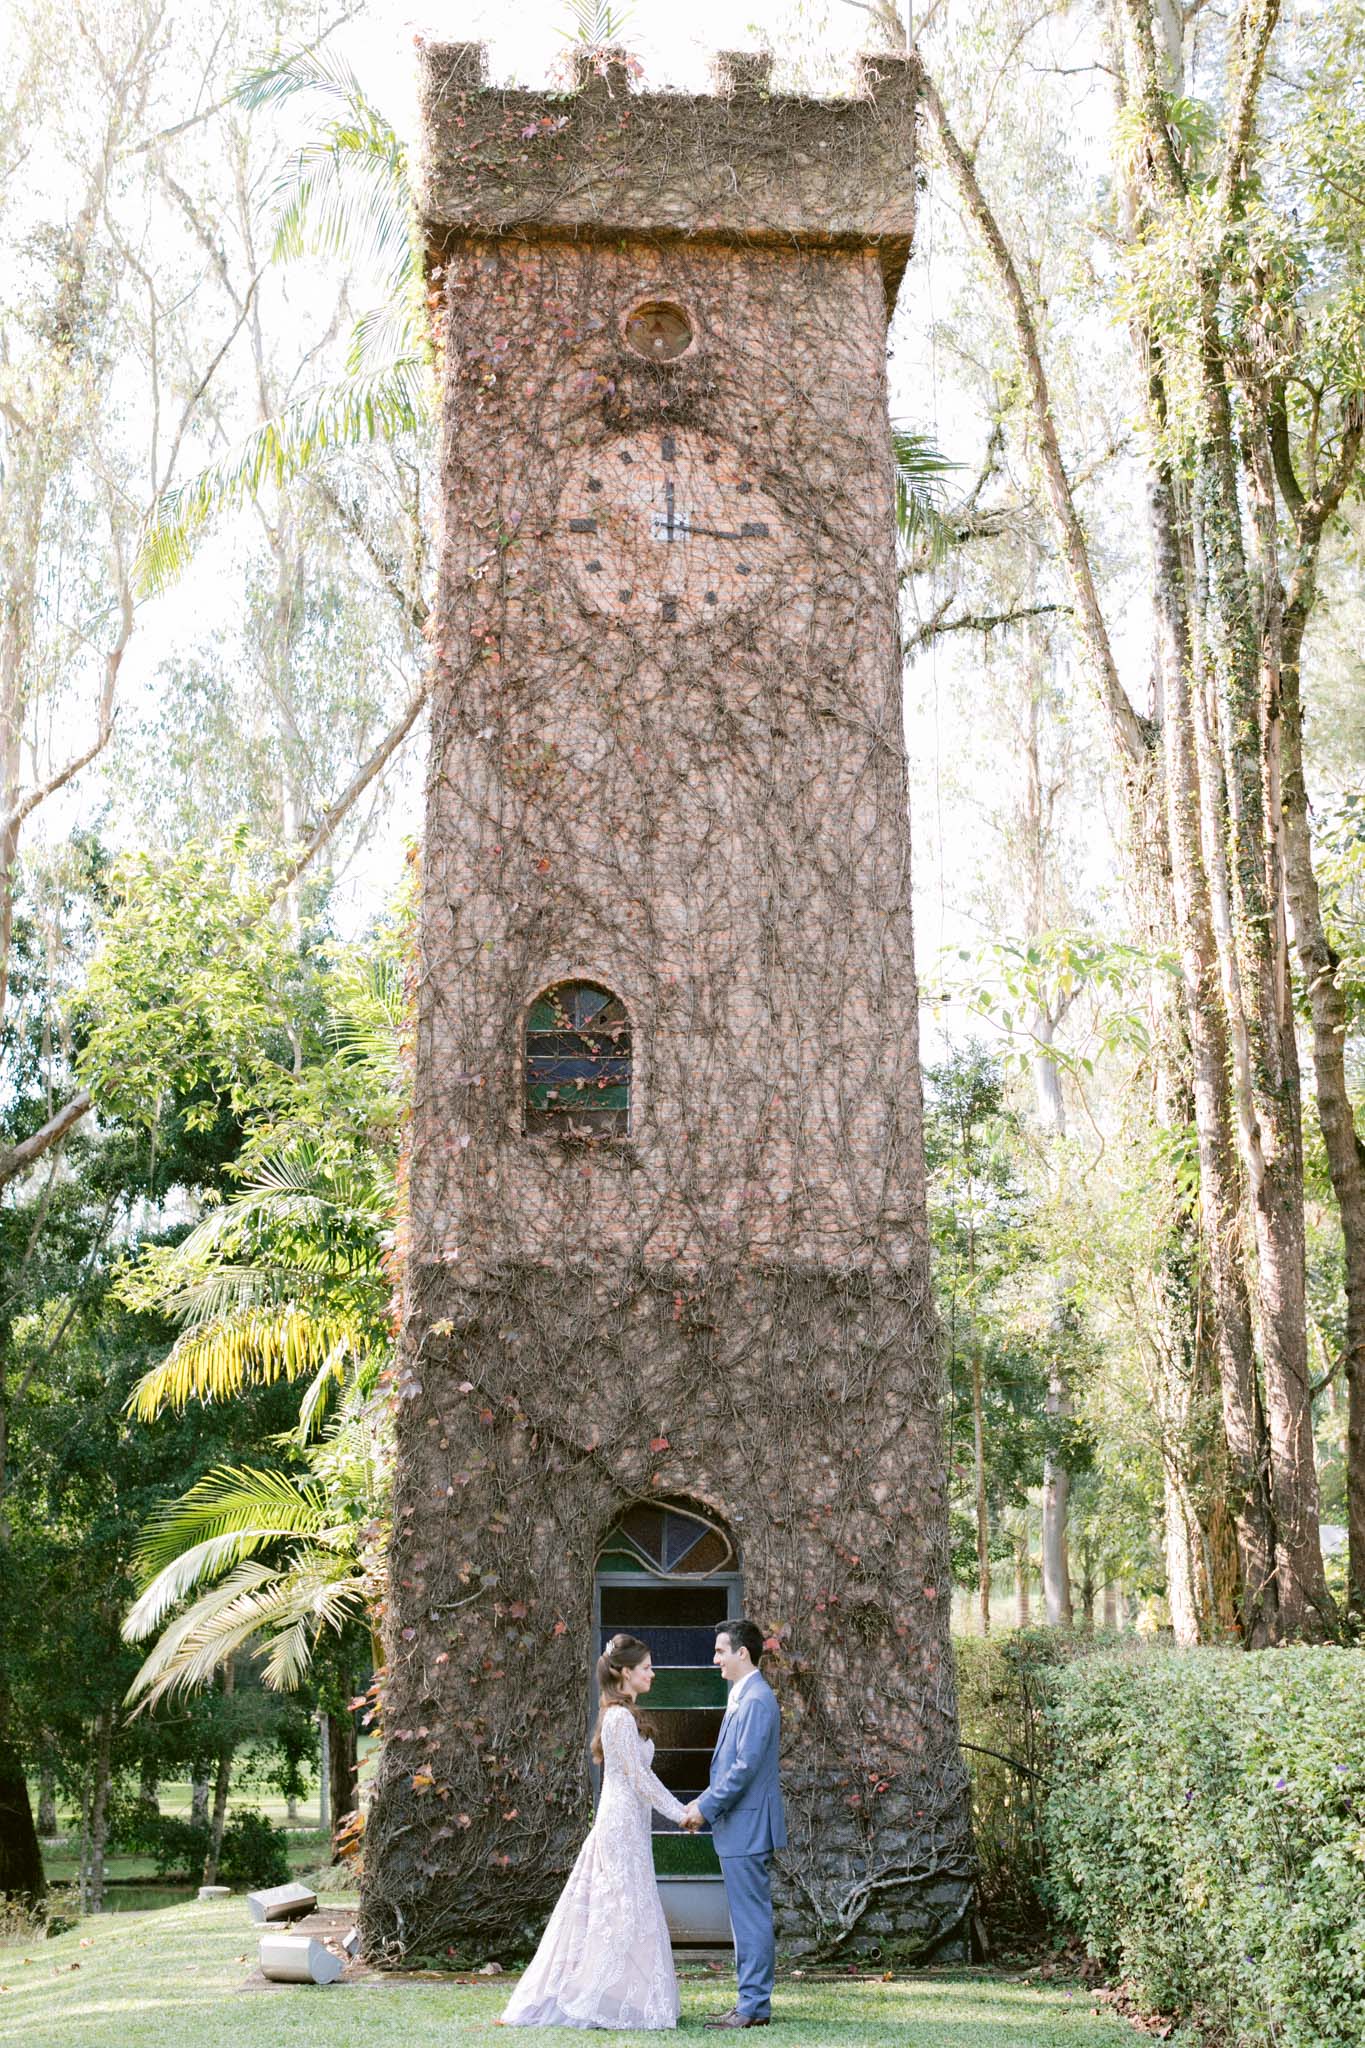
(173, 1979)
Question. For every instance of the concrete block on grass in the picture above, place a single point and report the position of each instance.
(281, 1902)
(298, 1959)
(215, 1891)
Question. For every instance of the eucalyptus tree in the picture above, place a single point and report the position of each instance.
(1218, 278)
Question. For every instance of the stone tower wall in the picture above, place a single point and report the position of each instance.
(693, 792)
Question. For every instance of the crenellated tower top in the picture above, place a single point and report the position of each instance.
(602, 159)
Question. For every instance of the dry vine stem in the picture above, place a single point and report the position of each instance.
(668, 759)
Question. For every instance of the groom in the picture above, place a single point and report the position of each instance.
(744, 1806)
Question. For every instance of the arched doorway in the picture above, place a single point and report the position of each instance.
(669, 1576)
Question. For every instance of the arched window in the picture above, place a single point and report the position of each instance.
(577, 1063)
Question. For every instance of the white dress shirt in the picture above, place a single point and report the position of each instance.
(737, 1688)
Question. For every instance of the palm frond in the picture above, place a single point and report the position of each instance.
(369, 1025)
(309, 1603)
(187, 1654)
(346, 194)
(230, 1499)
(279, 1612)
(383, 335)
(304, 68)
(290, 1654)
(207, 1560)
(257, 1346)
(330, 1374)
(921, 471)
(381, 402)
(595, 22)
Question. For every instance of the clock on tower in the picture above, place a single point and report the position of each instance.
(668, 525)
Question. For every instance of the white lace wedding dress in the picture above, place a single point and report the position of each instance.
(605, 1960)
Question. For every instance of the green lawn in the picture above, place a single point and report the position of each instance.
(171, 1979)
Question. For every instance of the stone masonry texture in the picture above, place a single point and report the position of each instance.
(667, 757)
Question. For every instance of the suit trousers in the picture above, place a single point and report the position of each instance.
(749, 1896)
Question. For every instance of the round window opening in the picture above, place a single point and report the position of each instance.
(659, 330)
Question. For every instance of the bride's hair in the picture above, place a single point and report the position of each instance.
(622, 1654)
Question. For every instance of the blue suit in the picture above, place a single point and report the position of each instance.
(744, 1806)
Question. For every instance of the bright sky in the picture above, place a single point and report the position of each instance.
(526, 41)
(526, 38)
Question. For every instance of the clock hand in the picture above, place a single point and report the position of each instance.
(750, 531)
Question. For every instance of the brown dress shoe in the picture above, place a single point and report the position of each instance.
(729, 2020)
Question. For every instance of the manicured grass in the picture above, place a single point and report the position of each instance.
(172, 1979)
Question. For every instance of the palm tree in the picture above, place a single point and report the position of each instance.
(921, 473)
(345, 192)
(288, 1279)
(282, 1559)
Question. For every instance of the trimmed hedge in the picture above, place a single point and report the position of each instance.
(1205, 1829)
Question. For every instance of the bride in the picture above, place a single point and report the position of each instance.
(605, 1960)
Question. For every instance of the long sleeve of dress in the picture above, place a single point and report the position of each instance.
(624, 1751)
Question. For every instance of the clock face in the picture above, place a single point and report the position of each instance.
(668, 527)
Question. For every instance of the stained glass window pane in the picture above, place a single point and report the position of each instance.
(711, 1554)
(645, 1529)
(578, 1063)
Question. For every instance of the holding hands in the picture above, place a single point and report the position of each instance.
(693, 1819)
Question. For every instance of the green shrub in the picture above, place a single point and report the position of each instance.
(177, 1847)
(1005, 1684)
(254, 1852)
(1206, 1835)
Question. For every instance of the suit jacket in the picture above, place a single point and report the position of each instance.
(744, 1799)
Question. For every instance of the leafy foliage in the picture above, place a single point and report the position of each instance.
(921, 493)
(344, 192)
(1207, 1835)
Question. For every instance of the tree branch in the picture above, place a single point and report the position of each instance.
(354, 789)
(1281, 454)
(977, 622)
(412, 605)
(16, 1158)
(1255, 25)
(1124, 724)
(113, 661)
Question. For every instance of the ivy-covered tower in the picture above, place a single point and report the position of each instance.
(668, 1346)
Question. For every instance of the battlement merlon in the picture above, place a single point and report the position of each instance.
(600, 161)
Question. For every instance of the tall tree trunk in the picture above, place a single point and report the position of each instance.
(1206, 1033)
(1111, 1607)
(1241, 651)
(983, 1527)
(1088, 1586)
(325, 1774)
(1181, 1556)
(222, 1780)
(21, 1859)
(1056, 1497)
(96, 1829)
(47, 1801)
(1021, 1579)
(343, 1763)
(1336, 1115)
(149, 1779)
(200, 1786)
(1248, 664)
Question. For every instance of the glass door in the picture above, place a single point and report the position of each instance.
(670, 1577)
